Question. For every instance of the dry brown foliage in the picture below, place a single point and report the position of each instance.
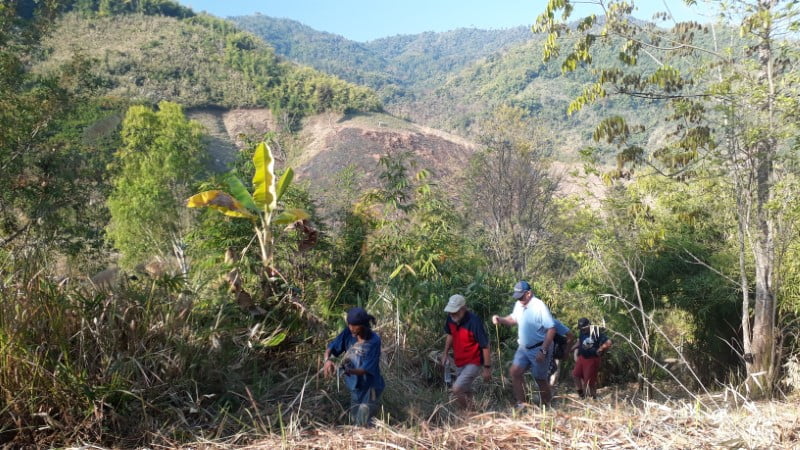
(575, 424)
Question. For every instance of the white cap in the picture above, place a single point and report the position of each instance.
(455, 303)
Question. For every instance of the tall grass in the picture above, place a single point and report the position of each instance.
(141, 365)
(128, 366)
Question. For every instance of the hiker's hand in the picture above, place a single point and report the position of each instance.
(329, 368)
(487, 373)
(540, 356)
(495, 319)
(443, 360)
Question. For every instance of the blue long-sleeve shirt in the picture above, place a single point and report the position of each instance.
(366, 355)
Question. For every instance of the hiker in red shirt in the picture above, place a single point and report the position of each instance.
(466, 335)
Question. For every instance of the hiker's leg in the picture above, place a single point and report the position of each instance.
(591, 376)
(517, 373)
(462, 388)
(577, 375)
(540, 370)
(545, 394)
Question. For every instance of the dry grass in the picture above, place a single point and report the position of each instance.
(129, 370)
(574, 424)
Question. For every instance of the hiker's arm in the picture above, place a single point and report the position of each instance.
(507, 320)
(333, 349)
(448, 344)
(548, 340)
(606, 345)
(571, 343)
(329, 367)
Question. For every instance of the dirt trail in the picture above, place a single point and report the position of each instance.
(230, 130)
(221, 148)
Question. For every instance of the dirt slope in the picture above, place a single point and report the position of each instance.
(331, 147)
(333, 143)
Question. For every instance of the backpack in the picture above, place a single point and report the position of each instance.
(559, 346)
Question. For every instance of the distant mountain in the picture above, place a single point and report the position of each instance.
(453, 80)
(421, 57)
(396, 66)
(330, 53)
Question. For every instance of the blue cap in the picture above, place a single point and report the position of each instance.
(359, 316)
(520, 289)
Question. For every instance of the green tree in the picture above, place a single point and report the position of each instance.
(260, 207)
(736, 115)
(43, 184)
(160, 161)
(511, 190)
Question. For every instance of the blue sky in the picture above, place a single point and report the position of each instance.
(364, 20)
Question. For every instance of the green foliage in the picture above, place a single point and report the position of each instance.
(675, 241)
(511, 193)
(740, 84)
(115, 7)
(159, 163)
(71, 208)
(182, 63)
(50, 172)
(126, 367)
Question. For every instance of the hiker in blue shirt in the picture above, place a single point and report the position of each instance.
(536, 330)
(360, 364)
(562, 343)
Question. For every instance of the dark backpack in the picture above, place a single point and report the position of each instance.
(559, 346)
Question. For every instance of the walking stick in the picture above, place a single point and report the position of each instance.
(499, 361)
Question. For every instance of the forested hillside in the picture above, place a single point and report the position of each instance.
(197, 61)
(455, 80)
(188, 220)
(396, 67)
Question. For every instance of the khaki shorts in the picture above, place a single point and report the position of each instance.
(465, 375)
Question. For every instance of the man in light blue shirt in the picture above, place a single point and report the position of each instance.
(536, 329)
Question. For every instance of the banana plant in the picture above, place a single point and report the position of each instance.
(260, 206)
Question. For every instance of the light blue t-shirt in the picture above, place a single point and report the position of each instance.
(533, 321)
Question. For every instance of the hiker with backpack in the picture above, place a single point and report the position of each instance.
(466, 335)
(592, 344)
(536, 330)
(562, 344)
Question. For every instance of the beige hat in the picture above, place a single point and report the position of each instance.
(455, 303)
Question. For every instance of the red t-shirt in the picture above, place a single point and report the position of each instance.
(469, 337)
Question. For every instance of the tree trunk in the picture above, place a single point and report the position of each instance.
(761, 362)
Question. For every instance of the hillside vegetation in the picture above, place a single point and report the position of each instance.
(186, 217)
(199, 61)
(454, 80)
(397, 67)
